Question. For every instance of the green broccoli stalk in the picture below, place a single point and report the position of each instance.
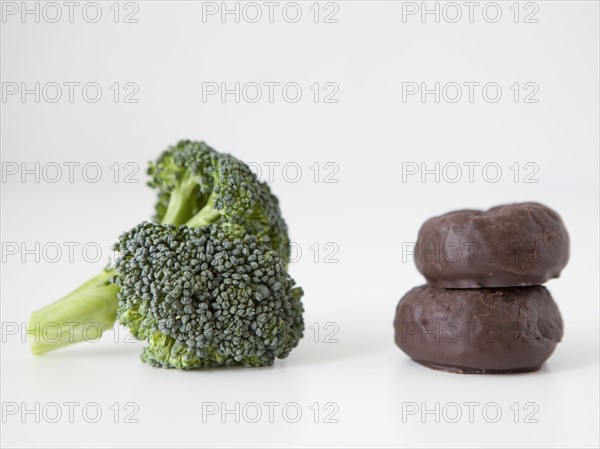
(82, 315)
(197, 187)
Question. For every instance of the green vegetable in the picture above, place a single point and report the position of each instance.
(198, 186)
(82, 315)
(206, 296)
(206, 285)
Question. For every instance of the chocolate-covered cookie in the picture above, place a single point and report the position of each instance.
(511, 245)
(506, 330)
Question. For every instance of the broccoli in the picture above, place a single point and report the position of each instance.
(81, 315)
(198, 186)
(206, 297)
(203, 196)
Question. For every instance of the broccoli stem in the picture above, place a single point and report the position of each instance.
(206, 216)
(182, 202)
(82, 315)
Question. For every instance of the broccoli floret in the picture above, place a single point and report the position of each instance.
(200, 189)
(206, 296)
(198, 186)
(183, 176)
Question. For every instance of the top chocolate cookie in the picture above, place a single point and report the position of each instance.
(505, 246)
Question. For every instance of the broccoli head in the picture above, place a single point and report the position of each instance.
(206, 296)
(198, 186)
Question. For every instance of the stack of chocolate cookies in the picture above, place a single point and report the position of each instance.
(484, 309)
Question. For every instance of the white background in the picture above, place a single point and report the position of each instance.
(369, 133)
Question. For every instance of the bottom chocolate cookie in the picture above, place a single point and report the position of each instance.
(479, 331)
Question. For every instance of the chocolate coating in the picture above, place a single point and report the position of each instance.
(506, 330)
(505, 246)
